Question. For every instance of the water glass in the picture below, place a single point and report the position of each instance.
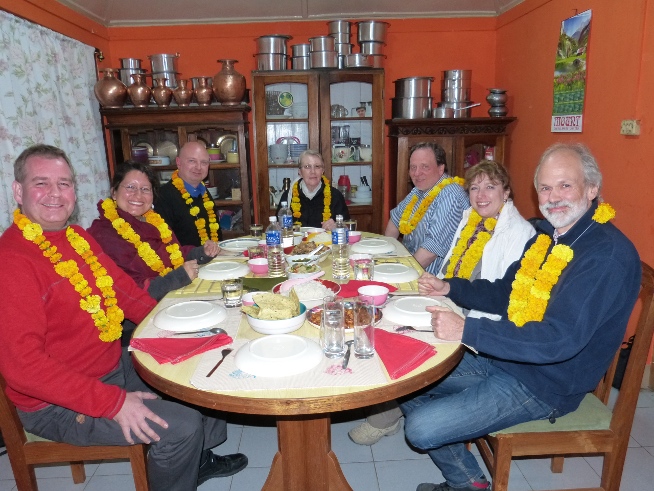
(351, 225)
(364, 269)
(232, 292)
(256, 230)
(256, 251)
(364, 331)
(332, 327)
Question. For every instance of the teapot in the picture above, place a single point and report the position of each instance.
(339, 111)
(341, 153)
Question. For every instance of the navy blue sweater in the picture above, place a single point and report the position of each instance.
(562, 357)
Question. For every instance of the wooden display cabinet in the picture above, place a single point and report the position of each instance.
(308, 123)
(459, 138)
(167, 129)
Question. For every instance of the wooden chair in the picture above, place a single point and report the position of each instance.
(25, 450)
(593, 428)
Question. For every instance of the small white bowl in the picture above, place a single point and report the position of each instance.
(258, 265)
(279, 326)
(378, 293)
(354, 237)
(248, 298)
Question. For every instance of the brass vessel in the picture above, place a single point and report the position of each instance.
(110, 91)
(228, 84)
(162, 93)
(203, 92)
(139, 92)
(182, 93)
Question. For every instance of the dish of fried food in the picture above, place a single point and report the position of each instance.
(271, 306)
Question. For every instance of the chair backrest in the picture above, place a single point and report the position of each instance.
(10, 424)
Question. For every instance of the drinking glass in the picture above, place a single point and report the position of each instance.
(332, 327)
(256, 230)
(256, 251)
(232, 292)
(351, 224)
(364, 269)
(364, 331)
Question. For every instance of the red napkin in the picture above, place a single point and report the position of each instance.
(401, 354)
(351, 288)
(176, 350)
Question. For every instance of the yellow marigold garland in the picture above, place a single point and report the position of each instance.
(208, 205)
(409, 222)
(532, 285)
(144, 250)
(106, 320)
(327, 200)
(471, 255)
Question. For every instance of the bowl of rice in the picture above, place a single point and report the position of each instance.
(312, 292)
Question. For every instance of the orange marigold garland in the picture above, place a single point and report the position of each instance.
(470, 256)
(208, 205)
(327, 200)
(409, 221)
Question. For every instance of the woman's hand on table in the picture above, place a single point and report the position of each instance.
(428, 284)
(211, 248)
(132, 418)
(329, 225)
(191, 268)
(446, 324)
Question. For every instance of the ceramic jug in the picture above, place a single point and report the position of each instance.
(341, 153)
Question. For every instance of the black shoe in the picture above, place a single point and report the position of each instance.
(221, 465)
(478, 486)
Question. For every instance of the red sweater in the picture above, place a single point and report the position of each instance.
(50, 351)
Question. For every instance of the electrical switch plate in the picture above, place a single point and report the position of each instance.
(630, 127)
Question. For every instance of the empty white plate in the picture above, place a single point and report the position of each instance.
(410, 311)
(190, 316)
(394, 273)
(278, 355)
(223, 270)
(238, 245)
(373, 246)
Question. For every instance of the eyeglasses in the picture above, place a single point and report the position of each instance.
(131, 189)
(310, 167)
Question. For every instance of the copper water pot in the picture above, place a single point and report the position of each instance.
(162, 93)
(228, 84)
(139, 92)
(110, 91)
(182, 93)
(203, 92)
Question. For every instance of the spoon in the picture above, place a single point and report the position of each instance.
(409, 328)
(213, 330)
(224, 354)
(346, 359)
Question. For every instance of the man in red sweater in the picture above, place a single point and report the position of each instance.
(63, 301)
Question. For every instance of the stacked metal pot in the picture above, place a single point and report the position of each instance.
(455, 95)
(272, 52)
(340, 30)
(301, 56)
(323, 52)
(412, 98)
(164, 66)
(371, 36)
(129, 67)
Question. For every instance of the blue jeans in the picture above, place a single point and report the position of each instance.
(477, 398)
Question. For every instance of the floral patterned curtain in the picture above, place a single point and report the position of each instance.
(46, 96)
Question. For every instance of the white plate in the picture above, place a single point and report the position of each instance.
(311, 230)
(373, 246)
(361, 201)
(238, 245)
(189, 316)
(223, 270)
(278, 355)
(394, 273)
(410, 311)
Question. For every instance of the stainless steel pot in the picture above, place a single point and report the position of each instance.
(301, 62)
(343, 48)
(301, 49)
(272, 43)
(457, 74)
(322, 43)
(377, 60)
(455, 95)
(411, 107)
(413, 87)
(461, 109)
(339, 26)
(372, 30)
(164, 63)
(442, 112)
(324, 59)
(357, 60)
(271, 61)
(449, 83)
(340, 37)
(372, 47)
(130, 62)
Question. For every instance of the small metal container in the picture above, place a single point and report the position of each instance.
(455, 95)
(413, 87)
(272, 43)
(377, 60)
(130, 62)
(301, 62)
(461, 109)
(301, 49)
(411, 107)
(322, 43)
(372, 30)
(339, 26)
(357, 60)
(457, 74)
(324, 59)
(343, 48)
(372, 47)
(341, 37)
(340, 59)
(271, 61)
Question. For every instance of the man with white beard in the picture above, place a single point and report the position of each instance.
(564, 307)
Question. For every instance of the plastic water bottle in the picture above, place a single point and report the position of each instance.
(276, 266)
(286, 222)
(340, 251)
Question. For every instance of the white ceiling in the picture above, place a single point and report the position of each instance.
(116, 13)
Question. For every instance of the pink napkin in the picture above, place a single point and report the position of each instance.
(176, 350)
(351, 288)
(401, 354)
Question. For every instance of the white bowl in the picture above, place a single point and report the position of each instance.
(279, 326)
(248, 299)
(314, 302)
(301, 275)
(278, 356)
(378, 293)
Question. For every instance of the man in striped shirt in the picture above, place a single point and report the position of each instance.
(431, 234)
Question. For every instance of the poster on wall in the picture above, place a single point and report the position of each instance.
(570, 74)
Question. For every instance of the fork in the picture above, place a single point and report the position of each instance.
(409, 328)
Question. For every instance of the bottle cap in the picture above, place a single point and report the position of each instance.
(273, 219)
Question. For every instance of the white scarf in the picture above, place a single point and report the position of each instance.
(305, 189)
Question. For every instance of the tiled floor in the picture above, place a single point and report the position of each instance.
(386, 466)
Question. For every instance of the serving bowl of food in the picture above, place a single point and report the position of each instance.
(314, 314)
(300, 253)
(312, 292)
(302, 270)
(275, 314)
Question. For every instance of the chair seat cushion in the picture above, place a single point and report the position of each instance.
(591, 414)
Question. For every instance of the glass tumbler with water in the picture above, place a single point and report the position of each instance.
(332, 327)
(364, 331)
(232, 290)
